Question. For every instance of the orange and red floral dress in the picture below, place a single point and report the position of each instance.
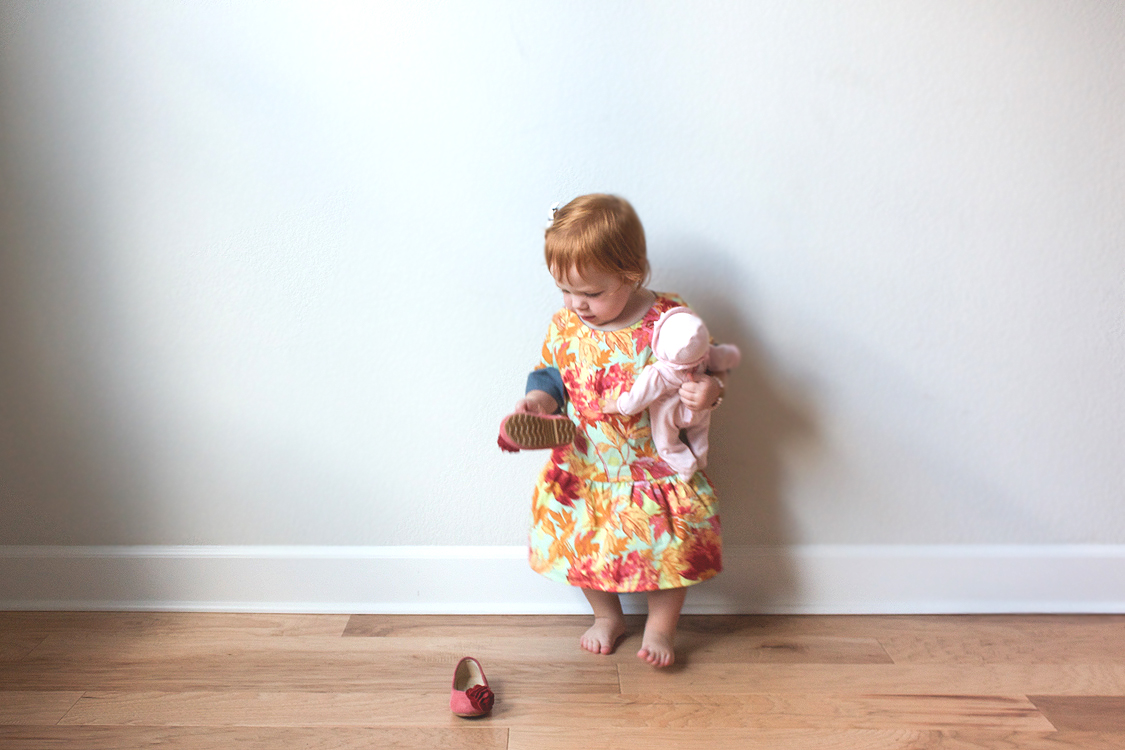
(607, 512)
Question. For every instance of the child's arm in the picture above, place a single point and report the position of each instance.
(545, 392)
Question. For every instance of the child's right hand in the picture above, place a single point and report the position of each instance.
(536, 402)
(526, 406)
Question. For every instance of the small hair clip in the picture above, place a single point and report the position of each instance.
(551, 214)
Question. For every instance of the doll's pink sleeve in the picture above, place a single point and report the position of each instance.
(646, 389)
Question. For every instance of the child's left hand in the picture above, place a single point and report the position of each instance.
(701, 392)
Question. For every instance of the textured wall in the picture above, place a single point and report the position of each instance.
(271, 273)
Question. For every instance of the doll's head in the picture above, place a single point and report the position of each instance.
(599, 232)
(680, 337)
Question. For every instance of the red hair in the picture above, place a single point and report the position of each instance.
(597, 231)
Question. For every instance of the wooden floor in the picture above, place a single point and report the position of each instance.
(93, 681)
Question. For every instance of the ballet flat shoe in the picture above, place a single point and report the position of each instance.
(471, 696)
(522, 431)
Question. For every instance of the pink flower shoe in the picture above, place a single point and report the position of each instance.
(471, 695)
(522, 431)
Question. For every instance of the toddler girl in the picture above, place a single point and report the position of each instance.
(608, 514)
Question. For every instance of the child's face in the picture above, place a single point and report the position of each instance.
(599, 298)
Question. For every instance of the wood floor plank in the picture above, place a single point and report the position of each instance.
(842, 712)
(101, 662)
(252, 738)
(517, 709)
(460, 626)
(879, 626)
(16, 645)
(562, 644)
(105, 662)
(935, 679)
(1006, 642)
(782, 649)
(35, 707)
(172, 623)
(951, 639)
(394, 626)
(276, 709)
(974, 740)
(1089, 713)
(811, 739)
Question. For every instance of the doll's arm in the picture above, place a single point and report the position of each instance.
(723, 357)
(646, 389)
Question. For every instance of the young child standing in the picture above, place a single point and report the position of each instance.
(608, 514)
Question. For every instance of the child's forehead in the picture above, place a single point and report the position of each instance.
(588, 279)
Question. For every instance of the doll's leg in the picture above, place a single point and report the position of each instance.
(658, 645)
(666, 437)
(697, 435)
(609, 622)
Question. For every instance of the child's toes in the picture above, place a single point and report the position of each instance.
(657, 654)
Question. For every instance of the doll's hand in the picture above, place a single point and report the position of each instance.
(701, 392)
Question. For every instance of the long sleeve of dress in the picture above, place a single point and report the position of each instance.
(548, 380)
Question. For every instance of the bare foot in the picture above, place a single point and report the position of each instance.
(657, 648)
(603, 635)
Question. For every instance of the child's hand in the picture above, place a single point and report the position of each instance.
(536, 402)
(609, 406)
(701, 392)
(527, 406)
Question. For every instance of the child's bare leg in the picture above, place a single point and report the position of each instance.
(658, 645)
(609, 622)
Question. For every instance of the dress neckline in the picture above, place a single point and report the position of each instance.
(636, 321)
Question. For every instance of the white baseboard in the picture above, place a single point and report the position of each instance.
(802, 579)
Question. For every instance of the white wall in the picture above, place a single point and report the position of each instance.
(270, 274)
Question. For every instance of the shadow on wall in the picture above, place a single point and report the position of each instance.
(66, 476)
(761, 418)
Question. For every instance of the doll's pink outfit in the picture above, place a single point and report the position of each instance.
(682, 347)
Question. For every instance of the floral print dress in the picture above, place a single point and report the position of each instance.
(607, 512)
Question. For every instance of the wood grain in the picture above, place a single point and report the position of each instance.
(33, 707)
(930, 679)
(775, 711)
(495, 626)
(102, 662)
(251, 738)
(595, 710)
(811, 739)
(1088, 713)
(231, 709)
(172, 623)
(17, 645)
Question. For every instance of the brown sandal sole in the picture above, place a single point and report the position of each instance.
(532, 431)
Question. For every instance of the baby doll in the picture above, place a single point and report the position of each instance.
(682, 347)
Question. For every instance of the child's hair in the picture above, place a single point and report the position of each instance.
(597, 231)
